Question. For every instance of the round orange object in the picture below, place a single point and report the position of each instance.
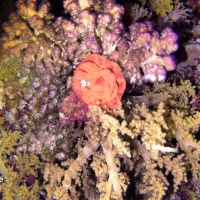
(99, 81)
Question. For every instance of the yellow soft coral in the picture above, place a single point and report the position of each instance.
(150, 125)
(27, 164)
(164, 117)
(161, 7)
(7, 142)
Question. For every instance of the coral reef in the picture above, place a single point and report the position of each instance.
(160, 7)
(145, 55)
(6, 7)
(14, 80)
(189, 190)
(92, 104)
(26, 37)
(73, 109)
(104, 160)
(18, 172)
(165, 126)
(107, 139)
(196, 102)
(56, 45)
(38, 101)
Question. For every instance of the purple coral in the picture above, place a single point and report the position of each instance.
(196, 102)
(60, 44)
(73, 109)
(145, 54)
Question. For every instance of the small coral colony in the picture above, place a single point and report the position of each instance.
(100, 99)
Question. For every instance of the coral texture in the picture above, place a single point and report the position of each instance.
(62, 43)
(144, 54)
(111, 134)
(19, 172)
(99, 81)
(83, 114)
(73, 109)
(160, 7)
(35, 102)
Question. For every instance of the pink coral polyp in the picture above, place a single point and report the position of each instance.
(73, 109)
